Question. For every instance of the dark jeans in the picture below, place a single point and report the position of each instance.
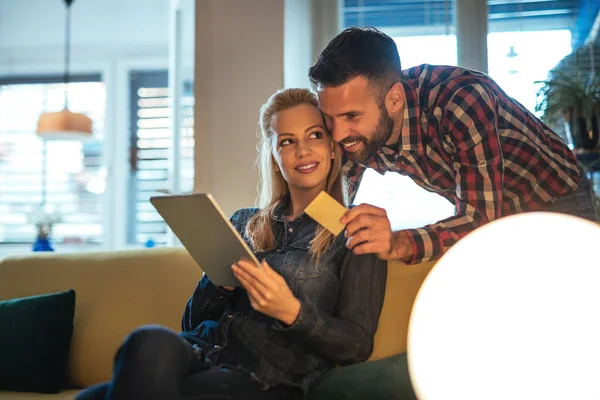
(385, 379)
(156, 363)
(579, 203)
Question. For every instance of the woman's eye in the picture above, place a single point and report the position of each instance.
(285, 142)
(316, 135)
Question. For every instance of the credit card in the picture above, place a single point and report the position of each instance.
(327, 211)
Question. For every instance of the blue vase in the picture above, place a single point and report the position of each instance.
(42, 244)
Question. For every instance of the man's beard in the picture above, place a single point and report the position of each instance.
(371, 146)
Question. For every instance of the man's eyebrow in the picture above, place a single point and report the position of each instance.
(342, 114)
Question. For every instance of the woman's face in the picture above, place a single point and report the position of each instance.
(301, 147)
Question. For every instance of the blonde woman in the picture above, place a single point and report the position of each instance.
(312, 305)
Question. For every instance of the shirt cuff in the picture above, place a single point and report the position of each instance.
(423, 245)
(306, 324)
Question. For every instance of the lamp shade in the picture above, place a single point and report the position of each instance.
(511, 311)
(64, 125)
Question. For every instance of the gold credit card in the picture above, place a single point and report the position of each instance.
(327, 211)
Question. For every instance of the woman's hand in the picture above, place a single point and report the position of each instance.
(268, 291)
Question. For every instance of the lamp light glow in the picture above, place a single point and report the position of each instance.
(511, 311)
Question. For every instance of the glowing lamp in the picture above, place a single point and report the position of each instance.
(511, 311)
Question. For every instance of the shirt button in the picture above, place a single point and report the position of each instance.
(216, 346)
(290, 230)
(229, 315)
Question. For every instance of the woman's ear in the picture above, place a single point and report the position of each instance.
(394, 100)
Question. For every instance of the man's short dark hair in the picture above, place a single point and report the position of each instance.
(365, 52)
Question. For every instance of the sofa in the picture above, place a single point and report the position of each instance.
(119, 291)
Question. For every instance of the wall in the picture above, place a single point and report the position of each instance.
(239, 64)
(34, 30)
(309, 25)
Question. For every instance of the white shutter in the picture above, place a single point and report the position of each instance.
(149, 152)
(186, 163)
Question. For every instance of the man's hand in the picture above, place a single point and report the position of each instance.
(268, 291)
(369, 231)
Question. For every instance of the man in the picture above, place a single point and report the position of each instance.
(455, 133)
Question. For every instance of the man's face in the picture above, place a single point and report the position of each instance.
(356, 117)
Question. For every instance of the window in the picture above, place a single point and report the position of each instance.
(151, 157)
(525, 42)
(407, 205)
(516, 60)
(443, 50)
(422, 33)
(401, 18)
(57, 176)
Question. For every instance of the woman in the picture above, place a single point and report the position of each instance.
(312, 305)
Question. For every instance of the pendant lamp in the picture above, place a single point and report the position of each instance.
(65, 124)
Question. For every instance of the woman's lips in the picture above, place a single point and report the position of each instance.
(307, 168)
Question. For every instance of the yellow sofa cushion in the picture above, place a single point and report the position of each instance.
(403, 283)
(64, 395)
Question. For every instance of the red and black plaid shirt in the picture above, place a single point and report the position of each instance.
(463, 138)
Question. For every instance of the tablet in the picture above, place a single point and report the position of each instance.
(206, 233)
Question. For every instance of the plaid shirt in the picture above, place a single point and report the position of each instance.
(465, 139)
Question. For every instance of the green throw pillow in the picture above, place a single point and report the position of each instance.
(35, 335)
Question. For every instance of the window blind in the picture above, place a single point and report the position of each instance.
(149, 156)
(64, 175)
(503, 14)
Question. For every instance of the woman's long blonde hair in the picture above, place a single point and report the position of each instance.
(273, 189)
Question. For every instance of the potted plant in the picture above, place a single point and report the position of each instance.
(572, 94)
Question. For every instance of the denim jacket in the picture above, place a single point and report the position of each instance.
(341, 299)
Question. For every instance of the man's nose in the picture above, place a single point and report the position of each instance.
(338, 131)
